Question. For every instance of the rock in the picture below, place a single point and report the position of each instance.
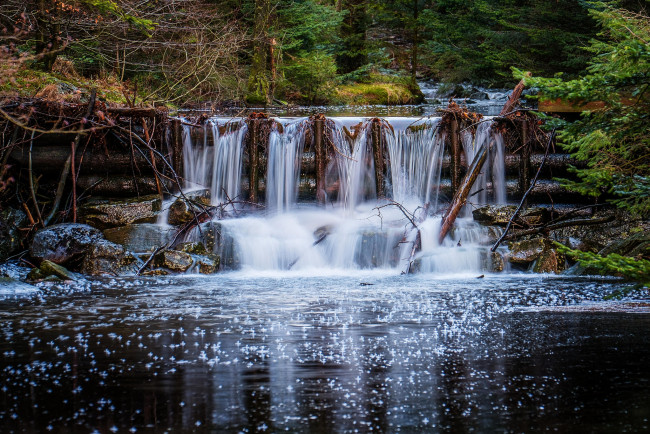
(208, 264)
(64, 242)
(103, 257)
(11, 220)
(48, 268)
(526, 251)
(550, 261)
(448, 90)
(174, 260)
(111, 213)
(495, 262)
(478, 95)
(140, 237)
(492, 215)
(183, 210)
(192, 248)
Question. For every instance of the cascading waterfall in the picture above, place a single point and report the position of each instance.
(415, 152)
(356, 231)
(356, 168)
(215, 164)
(494, 168)
(283, 168)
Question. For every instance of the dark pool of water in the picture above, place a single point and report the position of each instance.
(278, 353)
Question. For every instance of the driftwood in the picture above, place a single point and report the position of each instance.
(460, 197)
(523, 198)
(462, 194)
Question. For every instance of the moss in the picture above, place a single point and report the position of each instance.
(375, 93)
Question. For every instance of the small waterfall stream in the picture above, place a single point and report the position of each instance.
(357, 230)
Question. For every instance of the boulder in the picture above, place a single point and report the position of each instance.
(11, 220)
(526, 251)
(185, 208)
(64, 242)
(103, 257)
(492, 215)
(111, 213)
(174, 260)
(192, 248)
(48, 268)
(495, 262)
(140, 237)
(207, 264)
(478, 95)
(550, 261)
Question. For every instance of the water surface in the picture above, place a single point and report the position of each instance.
(331, 352)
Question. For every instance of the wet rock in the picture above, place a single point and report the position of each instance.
(192, 248)
(11, 220)
(526, 251)
(550, 261)
(492, 215)
(208, 264)
(140, 237)
(48, 268)
(111, 213)
(495, 263)
(183, 210)
(103, 257)
(478, 95)
(174, 260)
(448, 90)
(64, 242)
(218, 240)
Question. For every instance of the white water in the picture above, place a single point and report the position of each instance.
(217, 163)
(415, 161)
(358, 231)
(283, 166)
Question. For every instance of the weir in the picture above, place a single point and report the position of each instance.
(347, 193)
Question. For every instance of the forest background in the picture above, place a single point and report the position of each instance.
(178, 52)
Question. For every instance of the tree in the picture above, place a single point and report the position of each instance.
(613, 140)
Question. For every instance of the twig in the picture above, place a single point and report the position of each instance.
(523, 199)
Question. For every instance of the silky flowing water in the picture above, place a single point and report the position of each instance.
(350, 352)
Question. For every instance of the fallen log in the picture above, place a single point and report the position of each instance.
(460, 197)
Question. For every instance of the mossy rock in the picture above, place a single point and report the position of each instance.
(49, 268)
(109, 213)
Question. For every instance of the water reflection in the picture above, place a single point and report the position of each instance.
(323, 354)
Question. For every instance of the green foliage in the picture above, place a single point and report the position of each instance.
(103, 7)
(479, 40)
(635, 270)
(613, 140)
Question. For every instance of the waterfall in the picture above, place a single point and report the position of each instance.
(356, 167)
(216, 163)
(493, 169)
(415, 153)
(357, 230)
(283, 168)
